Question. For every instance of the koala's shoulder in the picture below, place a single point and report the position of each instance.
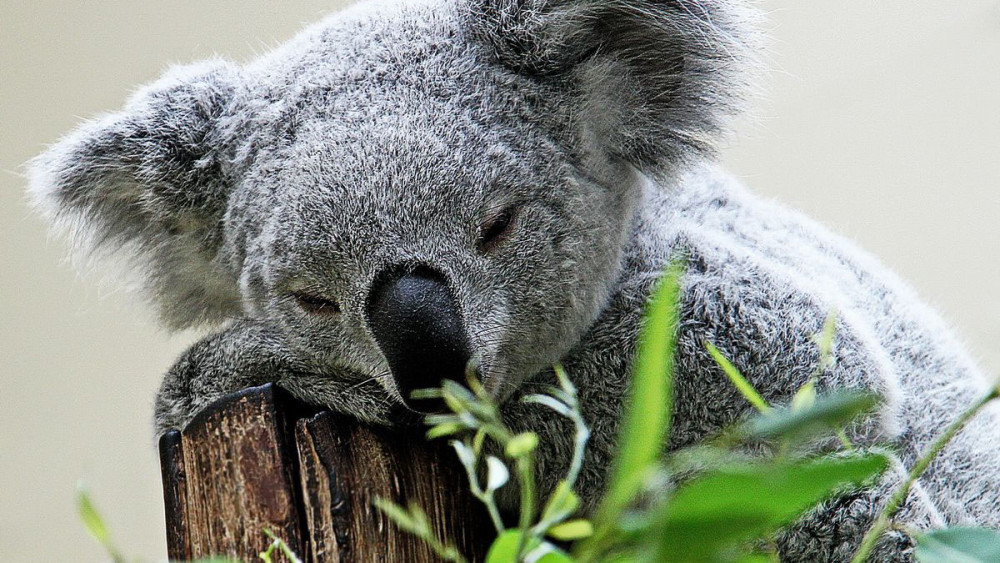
(761, 280)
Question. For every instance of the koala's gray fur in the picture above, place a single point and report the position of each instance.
(386, 134)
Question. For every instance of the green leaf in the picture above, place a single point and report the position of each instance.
(829, 412)
(461, 400)
(572, 530)
(91, 518)
(454, 401)
(742, 385)
(647, 418)
(477, 441)
(547, 553)
(429, 393)
(729, 506)
(805, 397)
(445, 429)
(550, 402)
(412, 519)
(522, 444)
(504, 547)
(401, 517)
(958, 545)
(496, 474)
(280, 545)
(504, 550)
(466, 455)
(561, 504)
(438, 419)
(94, 523)
(824, 340)
(758, 558)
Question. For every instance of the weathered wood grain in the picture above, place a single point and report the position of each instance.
(345, 466)
(257, 460)
(175, 495)
(239, 478)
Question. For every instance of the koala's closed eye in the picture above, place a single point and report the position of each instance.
(495, 230)
(316, 305)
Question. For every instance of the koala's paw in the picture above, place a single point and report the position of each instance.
(243, 355)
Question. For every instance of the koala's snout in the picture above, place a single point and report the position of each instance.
(415, 319)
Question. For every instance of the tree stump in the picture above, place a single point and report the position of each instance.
(259, 460)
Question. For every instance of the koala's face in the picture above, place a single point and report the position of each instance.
(407, 189)
(404, 246)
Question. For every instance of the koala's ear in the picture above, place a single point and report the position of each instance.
(655, 80)
(150, 184)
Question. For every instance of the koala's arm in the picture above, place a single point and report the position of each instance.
(248, 353)
(244, 354)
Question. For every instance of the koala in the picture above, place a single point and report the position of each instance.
(407, 189)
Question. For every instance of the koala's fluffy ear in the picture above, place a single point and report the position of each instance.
(654, 80)
(150, 184)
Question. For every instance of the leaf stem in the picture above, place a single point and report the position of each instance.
(491, 508)
(882, 522)
(582, 432)
(526, 478)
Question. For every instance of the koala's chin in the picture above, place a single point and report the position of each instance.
(409, 188)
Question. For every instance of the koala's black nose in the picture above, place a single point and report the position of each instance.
(416, 321)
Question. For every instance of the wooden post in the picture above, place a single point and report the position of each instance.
(258, 460)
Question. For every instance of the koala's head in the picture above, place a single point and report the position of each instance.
(403, 189)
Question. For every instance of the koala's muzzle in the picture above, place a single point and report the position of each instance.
(416, 322)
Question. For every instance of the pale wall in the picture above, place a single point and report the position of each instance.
(883, 122)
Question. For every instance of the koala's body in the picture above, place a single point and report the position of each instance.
(406, 188)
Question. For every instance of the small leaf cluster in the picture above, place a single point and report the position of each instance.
(474, 420)
(715, 501)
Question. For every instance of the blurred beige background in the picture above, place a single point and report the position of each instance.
(882, 119)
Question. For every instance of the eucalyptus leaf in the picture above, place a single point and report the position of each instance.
(572, 530)
(729, 506)
(805, 397)
(745, 388)
(646, 420)
(522, 444)
(280, 545)
(647, 416)
(444, 429)
(400, 516)
(825, 341)
(562, 503)
(547, 553)
(430, 393)
(556, 405)
(91, 519)
(959, 545)
(478, 440)
(455, 403)
(496, 474)
(758, 558)
(461, 400)
(504, 547)
(465, 455)
(94, 523)
(437, 419)
(828, 412)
